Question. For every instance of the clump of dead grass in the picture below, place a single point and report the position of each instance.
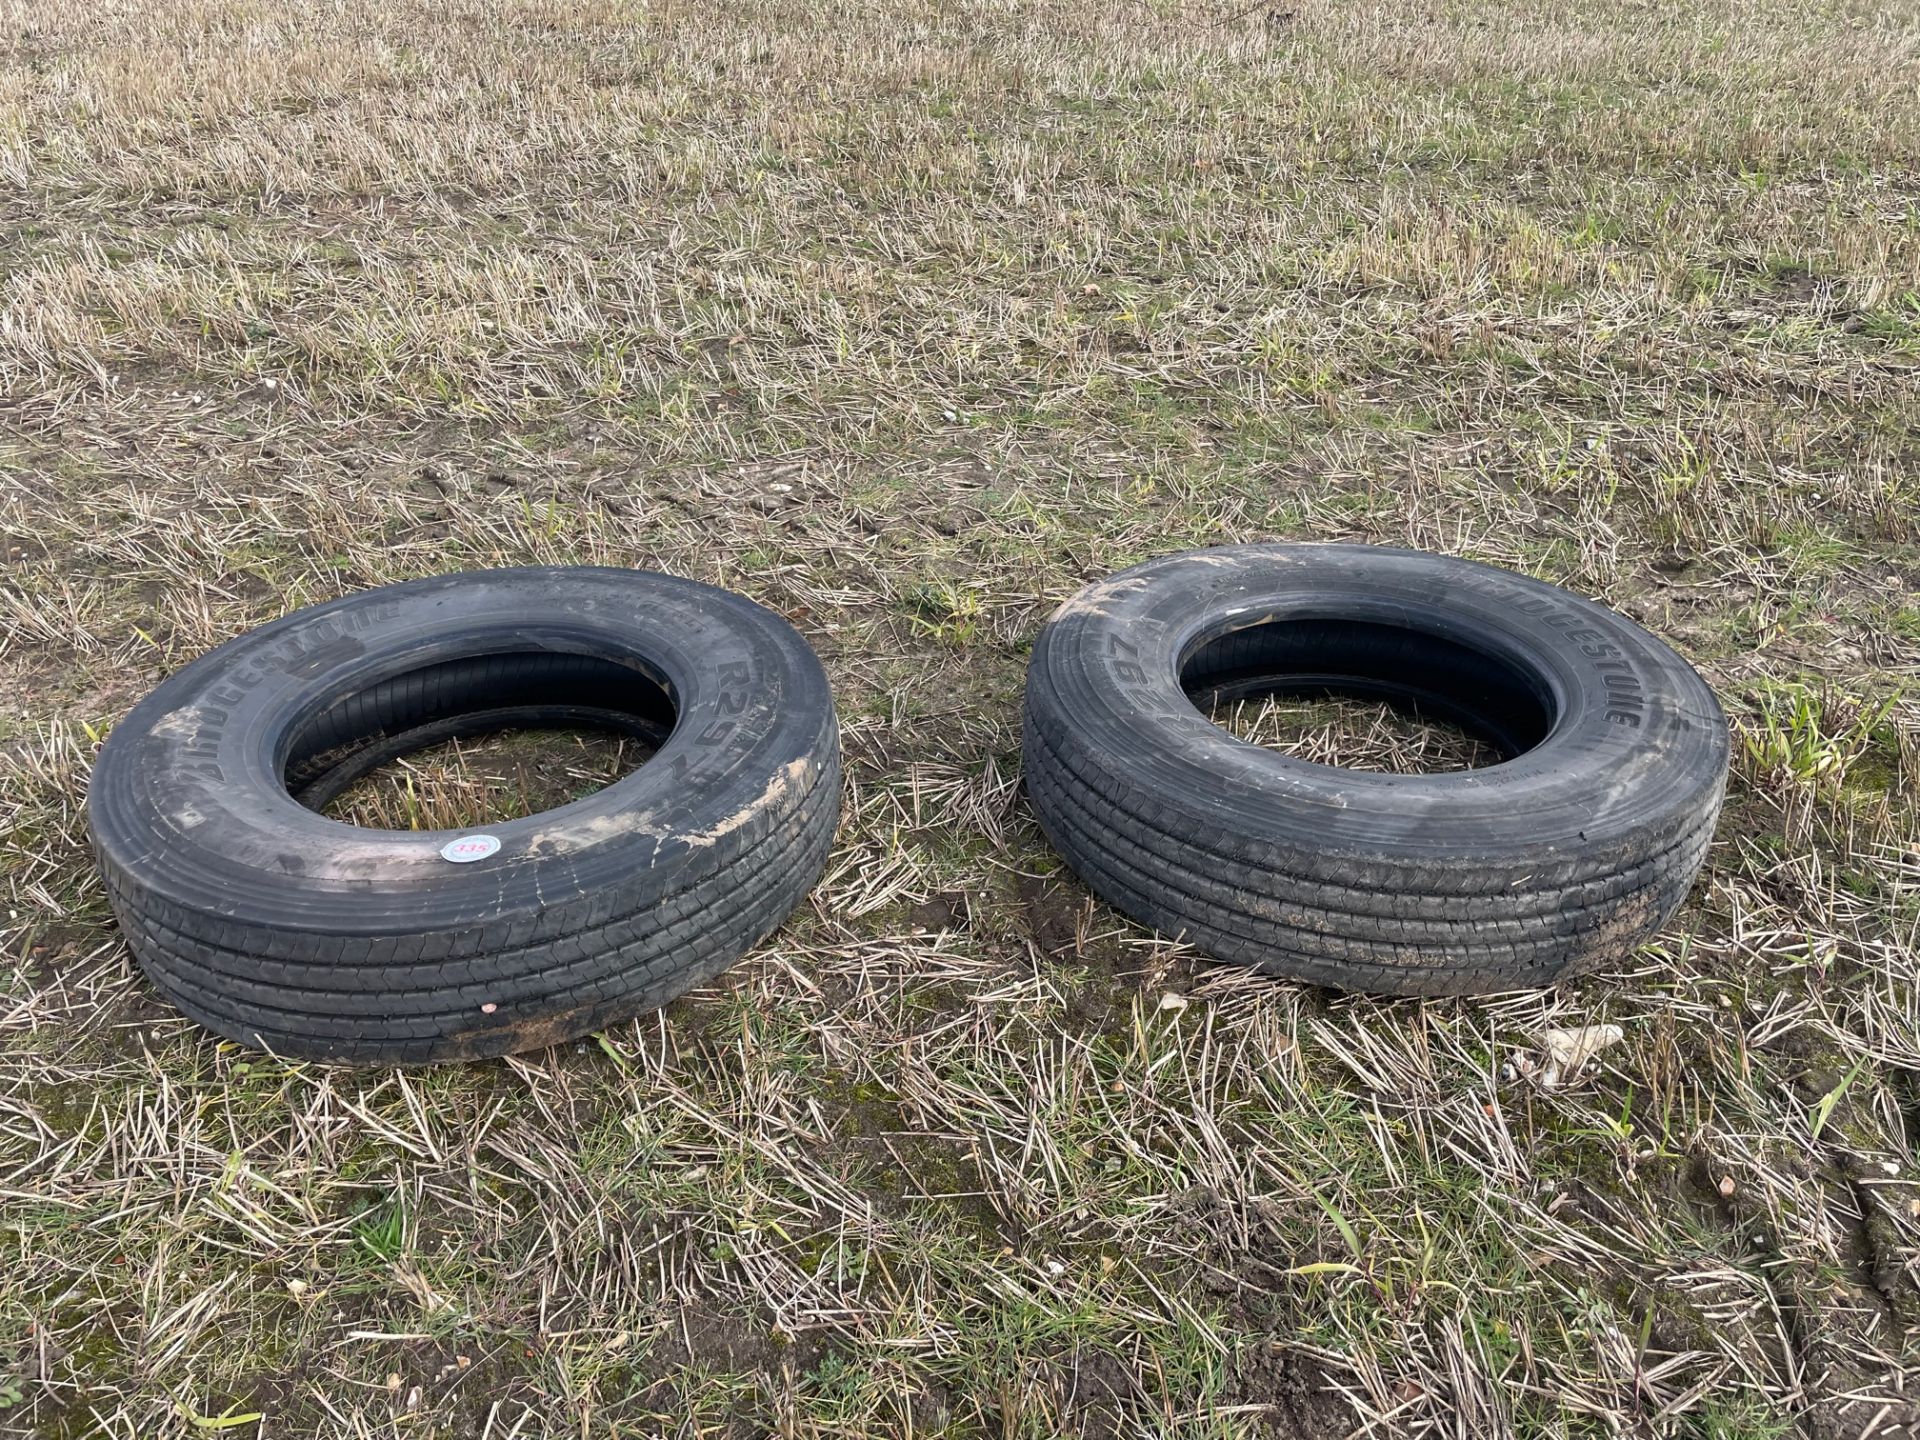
(1356, 734)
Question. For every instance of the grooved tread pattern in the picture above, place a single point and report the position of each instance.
(414, 1006)
(1380, 932)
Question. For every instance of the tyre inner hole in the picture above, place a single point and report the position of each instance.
(467, 742)
(1366, 696)
(1354, 734)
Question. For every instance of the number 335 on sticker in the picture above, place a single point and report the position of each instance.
(469, 848)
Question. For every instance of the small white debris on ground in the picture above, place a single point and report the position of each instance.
(1568, 1051)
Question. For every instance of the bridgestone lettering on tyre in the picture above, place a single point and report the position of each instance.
(1565, 856)
(278, 927)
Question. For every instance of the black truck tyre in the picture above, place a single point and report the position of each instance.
(1564, 856)
(278, 927)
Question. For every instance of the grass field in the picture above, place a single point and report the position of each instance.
(908, 319)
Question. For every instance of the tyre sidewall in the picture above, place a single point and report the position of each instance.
(1638, 747)
(188, 794)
